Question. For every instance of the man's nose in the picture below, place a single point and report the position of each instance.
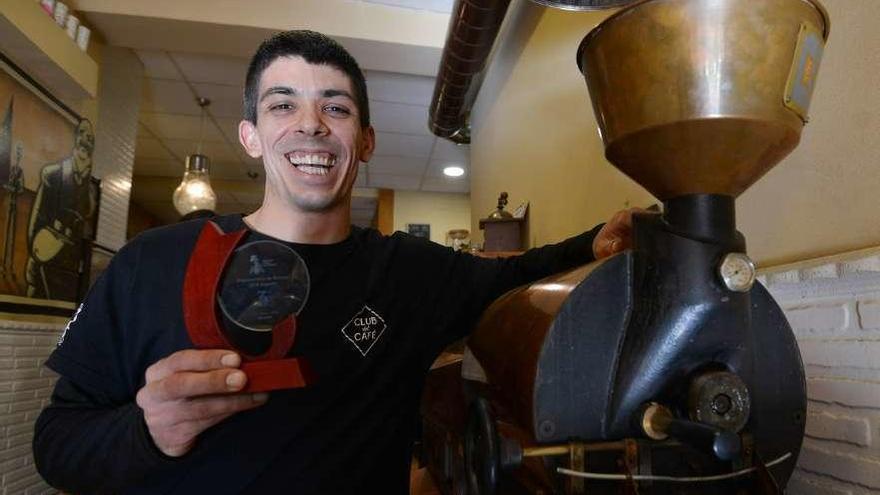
(311, 122)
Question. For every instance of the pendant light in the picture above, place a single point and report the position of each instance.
(194, 192)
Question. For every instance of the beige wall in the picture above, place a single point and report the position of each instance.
(823, 199)
(443, 211)
(534, 135)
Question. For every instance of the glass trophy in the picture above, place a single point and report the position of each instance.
(263, 283)
(246, 298)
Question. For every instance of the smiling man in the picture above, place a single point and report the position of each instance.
(137, 410)
(311, 134)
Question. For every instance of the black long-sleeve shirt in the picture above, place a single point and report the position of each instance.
(349, 432)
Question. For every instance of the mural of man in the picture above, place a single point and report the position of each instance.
(60, 220)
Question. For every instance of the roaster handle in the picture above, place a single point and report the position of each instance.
(726, 445)
(658, 422)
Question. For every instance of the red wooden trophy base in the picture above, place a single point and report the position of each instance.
(269, 371)
(264, 376)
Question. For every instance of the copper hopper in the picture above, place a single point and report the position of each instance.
(703, 96)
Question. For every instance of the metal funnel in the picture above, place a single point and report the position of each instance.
(703, 96)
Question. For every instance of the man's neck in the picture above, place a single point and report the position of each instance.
(326, 227)
(79, 169)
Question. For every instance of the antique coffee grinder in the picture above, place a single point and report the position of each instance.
(666, 368)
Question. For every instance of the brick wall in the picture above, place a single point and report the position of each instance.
(25, 387)
(833, 305)
(24, 384)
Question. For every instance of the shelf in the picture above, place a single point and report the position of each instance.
(42, 49)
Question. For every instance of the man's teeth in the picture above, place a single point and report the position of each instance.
(320, 159)
(313, 170)
(312, 163)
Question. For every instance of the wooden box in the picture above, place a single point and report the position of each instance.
(502, 234)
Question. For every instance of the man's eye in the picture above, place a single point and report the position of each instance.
(281, 106)
(337, 109)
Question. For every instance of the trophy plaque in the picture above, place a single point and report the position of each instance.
(246, 298)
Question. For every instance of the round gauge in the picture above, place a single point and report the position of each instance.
(738, 272)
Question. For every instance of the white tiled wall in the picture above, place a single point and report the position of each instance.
(833, 306)
(24, 384)
(119, 103)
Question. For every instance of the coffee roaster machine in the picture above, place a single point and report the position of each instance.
(666, 368)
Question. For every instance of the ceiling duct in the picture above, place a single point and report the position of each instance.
(473, 27)
(583, 4)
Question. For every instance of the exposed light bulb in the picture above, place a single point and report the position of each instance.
(453, 171)
(197, 189)
(194, 192)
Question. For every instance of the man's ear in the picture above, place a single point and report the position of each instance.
(247, 136)
(368, 145)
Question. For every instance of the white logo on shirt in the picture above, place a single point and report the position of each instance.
(66, 328)
(364, 329)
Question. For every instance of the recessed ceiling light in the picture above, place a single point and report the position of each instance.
(453, 171)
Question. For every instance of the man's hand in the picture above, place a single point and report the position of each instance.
(190, 391)
(616, 235)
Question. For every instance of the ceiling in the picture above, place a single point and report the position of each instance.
(408, 157)
(444, 6)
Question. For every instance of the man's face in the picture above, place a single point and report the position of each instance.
(83, 147)
(308, 133)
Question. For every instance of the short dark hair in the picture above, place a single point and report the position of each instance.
(315, 48)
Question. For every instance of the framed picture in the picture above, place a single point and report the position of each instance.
(521, 210)
(419, 230)
(48, 201)
(99, 260)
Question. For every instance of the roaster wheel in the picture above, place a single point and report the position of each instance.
(481, 450)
